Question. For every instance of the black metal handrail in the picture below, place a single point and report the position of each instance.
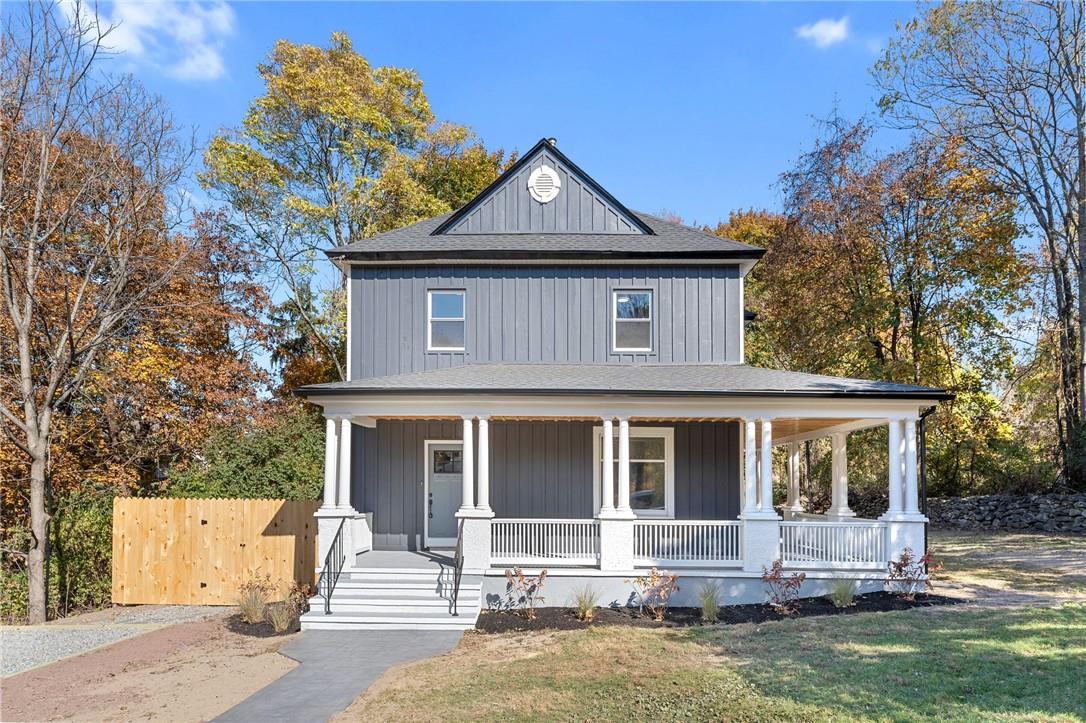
(458, 565)
(333, 565)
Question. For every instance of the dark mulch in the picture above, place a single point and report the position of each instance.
(504, 621)
(235, 624)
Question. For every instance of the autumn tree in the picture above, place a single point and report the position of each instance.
(88, 170)
(335, 151)
(1007, 80)
(897, 266)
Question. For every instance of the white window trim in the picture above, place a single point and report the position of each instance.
(430, 319)
(668, 433)
(615, 320)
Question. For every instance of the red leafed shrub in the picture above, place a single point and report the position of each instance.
(910, 574)
(654, 590)
(782, 589)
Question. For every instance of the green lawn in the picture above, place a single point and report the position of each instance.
(952, 664)
(958, 663)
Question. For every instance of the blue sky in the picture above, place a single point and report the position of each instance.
(690, 108)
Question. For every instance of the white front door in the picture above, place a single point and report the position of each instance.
(444, 480)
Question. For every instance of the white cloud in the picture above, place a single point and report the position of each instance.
(182, 38)
(825, 32)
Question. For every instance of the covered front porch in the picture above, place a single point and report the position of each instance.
(705, 507)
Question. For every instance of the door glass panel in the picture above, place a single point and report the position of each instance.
(448, 461)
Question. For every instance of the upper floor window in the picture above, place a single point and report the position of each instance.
(632, 320)
(445, 320)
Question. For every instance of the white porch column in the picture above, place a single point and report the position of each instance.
(912, 495)
(483, 466)
(794, 505)
(766, 497)
(839, 471)
(750, 467)
(607, 474)
(894, 469)
(617, 526)
(624, 467)
(331, 461)
(467, 493)
(344, 495)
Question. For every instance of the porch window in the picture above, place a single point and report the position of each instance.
(632, 320)
(652, 472)
(445, 320)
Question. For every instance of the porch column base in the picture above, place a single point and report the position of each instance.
(904, 530)
(357, 532)
(617, 543)
(761, 540)
(476, 539)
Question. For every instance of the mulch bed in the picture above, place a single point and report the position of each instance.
(505, 621)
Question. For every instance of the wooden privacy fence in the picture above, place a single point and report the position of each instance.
(197, 552)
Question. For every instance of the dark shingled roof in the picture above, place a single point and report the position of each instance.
(643, 379)
(667, 239)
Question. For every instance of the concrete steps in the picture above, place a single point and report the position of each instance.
(373, 598)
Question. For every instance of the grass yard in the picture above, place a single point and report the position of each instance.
(962, 663)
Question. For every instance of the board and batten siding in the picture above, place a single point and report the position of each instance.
(538, 469)
(559, 314)
(577, 208)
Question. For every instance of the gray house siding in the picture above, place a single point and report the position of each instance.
(542, 314)
(537, 469)
(577, 208)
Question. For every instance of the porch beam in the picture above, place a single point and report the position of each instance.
(344, 493)
(839, 481)
(607, 474)
(623, 507)
(467, 472)
(750, 467)
(766, 500)
(483, 466)
(331, 461)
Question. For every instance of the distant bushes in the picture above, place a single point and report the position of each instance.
(281, 459)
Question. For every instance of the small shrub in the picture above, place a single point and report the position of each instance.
(910, 574)
(253, 598)
(586, 600)
(783, 590)
(654, 590)
(522, 591)
(279, 615)
(842, 593)
(709, 597)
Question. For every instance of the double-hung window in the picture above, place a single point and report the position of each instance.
(445, 320)
(632, 314)
(652, 473)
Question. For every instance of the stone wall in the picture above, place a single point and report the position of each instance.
(1040, 513)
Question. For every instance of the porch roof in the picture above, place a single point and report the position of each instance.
(738, 380)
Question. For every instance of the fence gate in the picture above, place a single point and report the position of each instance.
(196, 552)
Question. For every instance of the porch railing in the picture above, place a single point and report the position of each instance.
(687, 542)
(833, 544)
(550, 542)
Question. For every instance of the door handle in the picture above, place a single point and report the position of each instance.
(430, 506)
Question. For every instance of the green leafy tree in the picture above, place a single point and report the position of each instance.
(333, 152)
(282, 458)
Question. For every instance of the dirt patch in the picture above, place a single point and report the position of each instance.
(565, 618)
(152, 677)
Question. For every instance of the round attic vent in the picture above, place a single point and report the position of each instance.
(544, 184)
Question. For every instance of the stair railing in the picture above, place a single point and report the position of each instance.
(333, 565)
(458, 566)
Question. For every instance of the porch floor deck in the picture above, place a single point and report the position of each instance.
(409, 559)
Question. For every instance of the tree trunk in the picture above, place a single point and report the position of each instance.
(39, 543)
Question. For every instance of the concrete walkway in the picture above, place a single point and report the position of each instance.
(336, 667)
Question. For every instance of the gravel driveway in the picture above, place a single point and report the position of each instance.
(31, 646)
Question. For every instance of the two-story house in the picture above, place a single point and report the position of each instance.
(547, 379)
